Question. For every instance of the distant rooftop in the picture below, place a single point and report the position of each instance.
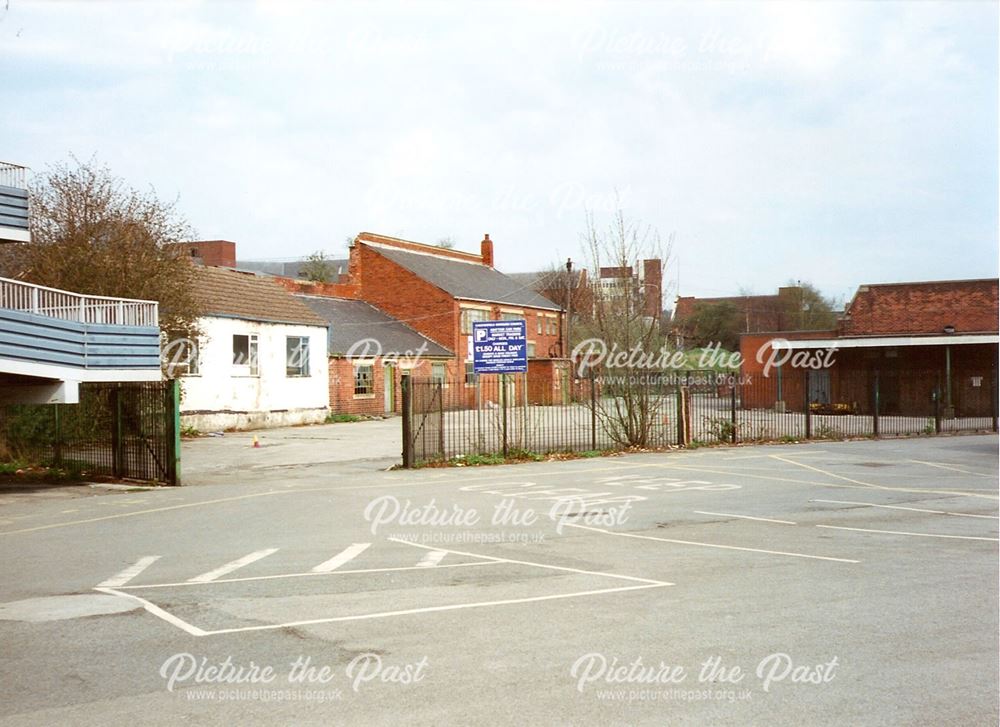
(291, 268)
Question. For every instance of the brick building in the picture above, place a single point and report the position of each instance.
(432, 292)
(932, 346)
(644, 284)
(260, 359)
(441, 292)
(757, 313)
(370, 352)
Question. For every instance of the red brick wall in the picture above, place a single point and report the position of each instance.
(763, 392)
(922, 308)
(215, 253)
(344, 401)
(652, 293)
(546, 345)
(757, 312)
(334, 290)
(406, 297)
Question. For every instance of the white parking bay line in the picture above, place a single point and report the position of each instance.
(902, 532)
(713, 545)
(913, 509)
(432, 559)
(745, 517)
(342, 557)
(129, 573)
(230, 567)
(952, 467)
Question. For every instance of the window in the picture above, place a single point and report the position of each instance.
(511, 316)
(296, 356)
(539, 319)
(364, 380)
(550, 326)
(182, 356)
(473, 315)
(245, 354)
(437, 373)
(470, 374)
(531, 349)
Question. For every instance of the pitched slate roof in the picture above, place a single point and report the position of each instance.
(233, 294)
(468, 280)
(355, 320)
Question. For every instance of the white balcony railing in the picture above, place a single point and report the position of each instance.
(13, 175)
(67, 306)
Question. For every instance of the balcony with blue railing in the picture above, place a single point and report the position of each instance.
(57, 335)
(13, 203)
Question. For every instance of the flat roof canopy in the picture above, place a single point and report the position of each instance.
(782, 344)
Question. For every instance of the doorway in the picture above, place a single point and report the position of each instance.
(389, 387)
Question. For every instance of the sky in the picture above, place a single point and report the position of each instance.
(834, 143)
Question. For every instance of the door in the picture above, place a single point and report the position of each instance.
(819, 387)
(389, 387)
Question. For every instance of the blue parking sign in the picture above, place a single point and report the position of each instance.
(499, 347)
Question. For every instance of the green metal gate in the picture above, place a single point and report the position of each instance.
(122, 430)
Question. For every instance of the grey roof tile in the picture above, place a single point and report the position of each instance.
(471, 281)
(351, 321)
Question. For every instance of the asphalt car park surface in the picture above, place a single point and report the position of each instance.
(828, 583)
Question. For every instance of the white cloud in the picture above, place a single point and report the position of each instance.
(836, 142)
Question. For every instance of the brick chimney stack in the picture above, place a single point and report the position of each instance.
(213, 253)
(652, 274)
(486, 251)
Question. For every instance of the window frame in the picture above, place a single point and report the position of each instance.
(466, 318)
(304, 369)
(370, 365)
(252, 366)
(443, 377)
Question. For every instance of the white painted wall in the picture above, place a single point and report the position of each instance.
(224, 396)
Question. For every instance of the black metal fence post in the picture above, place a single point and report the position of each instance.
(993, 397)
(732, 408)
(173, 416)
(117, 460)
(875, 392)
(593, 410)
(503, 407)
(57, 442)
(807, 397)
(441, 419)
(406, 392)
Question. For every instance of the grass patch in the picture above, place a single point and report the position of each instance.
(514, 456)
(341, 418)
(66, 473)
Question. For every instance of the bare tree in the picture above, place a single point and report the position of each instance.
(91, 233)
(629, 405)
